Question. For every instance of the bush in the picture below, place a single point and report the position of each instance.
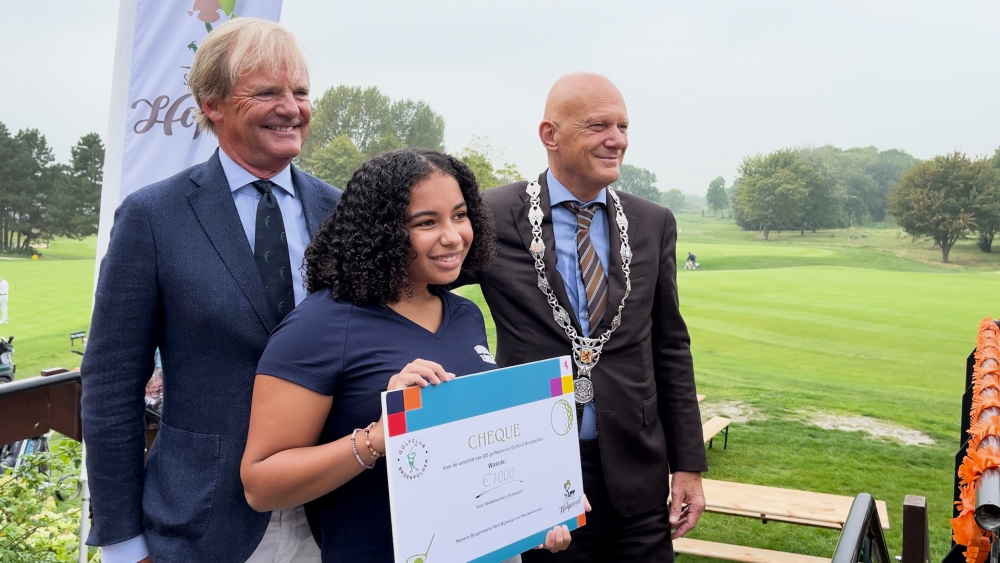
(34, 526)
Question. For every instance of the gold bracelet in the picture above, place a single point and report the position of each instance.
(357, 456)
(368, 442)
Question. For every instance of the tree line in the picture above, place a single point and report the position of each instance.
(352, 124)
(944, 199)
(811, 188)
(40, 198)
(641, 182)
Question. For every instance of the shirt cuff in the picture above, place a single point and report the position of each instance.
(128, 551)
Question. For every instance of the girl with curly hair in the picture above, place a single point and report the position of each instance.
(378, 316)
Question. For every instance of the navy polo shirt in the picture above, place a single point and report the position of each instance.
(349, 352)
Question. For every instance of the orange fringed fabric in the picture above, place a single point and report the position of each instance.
(985, 395)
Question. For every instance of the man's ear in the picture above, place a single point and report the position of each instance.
(547, 133)
(212, 110)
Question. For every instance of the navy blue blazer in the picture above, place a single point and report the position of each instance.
(179, 275)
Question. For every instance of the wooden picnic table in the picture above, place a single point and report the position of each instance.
(770, 504)
(782, 505)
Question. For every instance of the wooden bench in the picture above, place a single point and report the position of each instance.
(770, 504)
(74, 336)
(773, 504)
(731, 552)
(711, 428)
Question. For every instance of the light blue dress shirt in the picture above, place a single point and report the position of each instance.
(246, 198)
(568, 265)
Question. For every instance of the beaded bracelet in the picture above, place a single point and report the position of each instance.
(357, 456)
(368, 442)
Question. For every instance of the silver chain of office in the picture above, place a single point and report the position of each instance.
(586, 351)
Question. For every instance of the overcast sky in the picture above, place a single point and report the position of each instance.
(706, 83)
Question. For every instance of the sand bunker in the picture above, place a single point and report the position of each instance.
(872, 426)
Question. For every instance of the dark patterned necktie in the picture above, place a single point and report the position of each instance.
(270, 251)
(594, 279)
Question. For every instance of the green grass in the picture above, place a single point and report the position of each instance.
(869, 325)
(882, 247)
(69, 249)
(49, 298)
(840, 323)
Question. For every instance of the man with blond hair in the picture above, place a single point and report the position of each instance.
(203, 265)
(589, 271)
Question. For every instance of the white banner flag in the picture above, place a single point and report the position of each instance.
(152, 134)
(151, 131)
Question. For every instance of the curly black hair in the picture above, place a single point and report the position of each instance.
(363, 249)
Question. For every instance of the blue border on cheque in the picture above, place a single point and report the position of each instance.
(516, 409)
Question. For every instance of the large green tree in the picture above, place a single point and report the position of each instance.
(372, 121)
(75, 204)
(26, 181)
(673, 200)
(798, 196)
(13, 167)
(40, 199)
(934, 199)
(771, 201)
(823, 203)
(986, 202)
(716, 195)
(637, 181)
(335, 161)
(862, 177)
(484, 160)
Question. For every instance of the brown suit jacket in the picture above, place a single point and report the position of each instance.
(647, 411)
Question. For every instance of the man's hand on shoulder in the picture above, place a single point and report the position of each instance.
(686, 504)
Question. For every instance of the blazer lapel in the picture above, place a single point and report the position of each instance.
(520, 213)
(616, 277)
(316, 204)
(213, 204)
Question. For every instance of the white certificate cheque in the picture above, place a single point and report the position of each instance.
(481, 467)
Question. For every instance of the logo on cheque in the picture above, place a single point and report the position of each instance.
(412, 459)
(570, 491)
(562, 417)
(570, 499)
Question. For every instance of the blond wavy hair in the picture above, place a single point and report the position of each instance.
(238, 48)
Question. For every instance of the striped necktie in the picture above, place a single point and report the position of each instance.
(594, 279)
(270, 251)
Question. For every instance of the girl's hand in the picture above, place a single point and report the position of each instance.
(421, 373)
(557, 539)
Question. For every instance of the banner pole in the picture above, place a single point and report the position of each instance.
(115, 148)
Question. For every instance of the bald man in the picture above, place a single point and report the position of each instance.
(569, 249)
